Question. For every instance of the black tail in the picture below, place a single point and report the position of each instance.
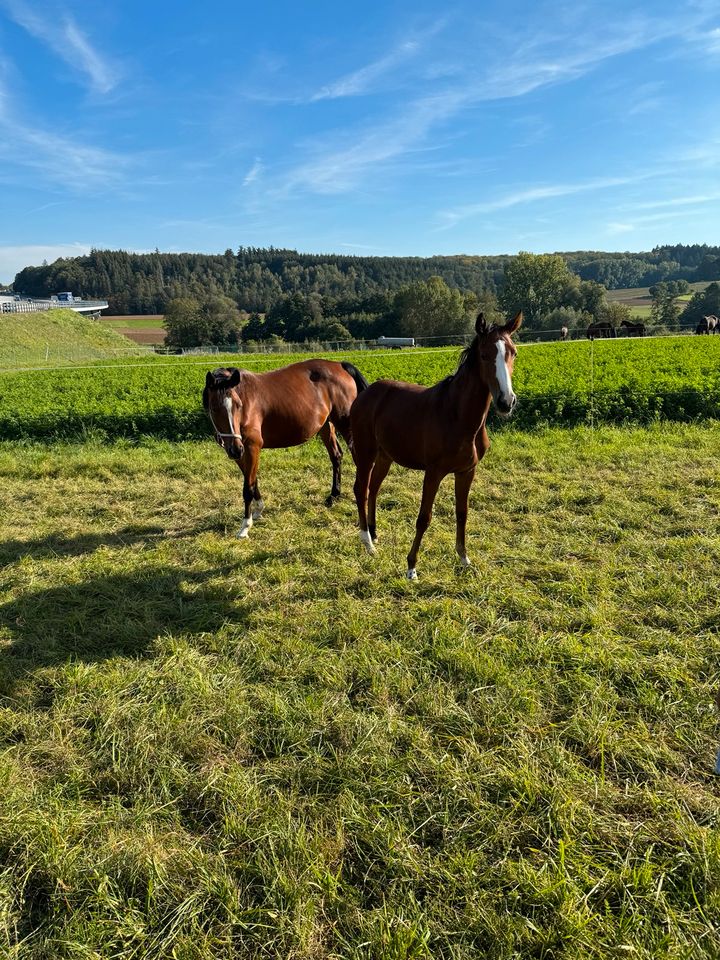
(360, 381)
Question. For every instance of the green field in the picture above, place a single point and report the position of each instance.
(215, 749)
(58, 336)
(622, 381)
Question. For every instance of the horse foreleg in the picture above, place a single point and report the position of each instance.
(463, 481)
(329, 438)
(258, 505)
(430, 489)
(251, 459)
(380, 471)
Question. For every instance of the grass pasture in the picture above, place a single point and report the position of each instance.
(280, 748)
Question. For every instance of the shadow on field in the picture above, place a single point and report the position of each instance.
(59, 545)
(117, 614)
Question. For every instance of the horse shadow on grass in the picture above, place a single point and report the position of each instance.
(116, 614)
(61, 545)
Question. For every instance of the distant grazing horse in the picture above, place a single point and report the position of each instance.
(440, 430)
(280, 408)
(703, 326)
(564, 333)
(633, 329)
(601, 328)
(713, 323)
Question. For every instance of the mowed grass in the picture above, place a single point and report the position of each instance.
(281, 748)
(57, 336)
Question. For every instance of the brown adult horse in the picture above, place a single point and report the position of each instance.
(440, 430)
(280, 408)
(633, 329)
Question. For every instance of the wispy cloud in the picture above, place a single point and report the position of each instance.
(71, 163)
(365, 79)
(66, 40)
(448, 218)
(253, 173)
(338, 163)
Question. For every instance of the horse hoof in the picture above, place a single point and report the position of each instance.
(330, 499)
(412, 574)
(465, 562)
(258, 510)
(366, 541)
(244, 531)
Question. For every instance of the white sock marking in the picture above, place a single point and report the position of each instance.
(244, 530)
(366, 540)
(412, 574)
(258, 507)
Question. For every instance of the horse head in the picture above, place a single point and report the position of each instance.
(496, 354)
(222, 405)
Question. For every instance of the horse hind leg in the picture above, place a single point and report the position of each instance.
(328, 436)
(431, 484)
(379, 472)
(362, 482)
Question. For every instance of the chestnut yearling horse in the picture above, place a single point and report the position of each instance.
(439, 430)
(280, 408)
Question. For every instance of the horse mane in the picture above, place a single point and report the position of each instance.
(469, 356)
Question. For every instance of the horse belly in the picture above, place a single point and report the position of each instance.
(278, 431)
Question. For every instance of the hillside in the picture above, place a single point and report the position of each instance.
(58, 335)
(257, 278)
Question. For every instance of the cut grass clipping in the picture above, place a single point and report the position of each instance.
(280, 748)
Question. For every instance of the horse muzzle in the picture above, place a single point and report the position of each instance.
(504, 406)
(234, 450)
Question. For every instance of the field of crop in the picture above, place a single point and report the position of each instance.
(626, 381)
(142, 329)
(213, 749)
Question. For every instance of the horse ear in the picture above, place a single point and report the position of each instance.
(481, 326)
(234, 379)
(209, 381)
(512, 326)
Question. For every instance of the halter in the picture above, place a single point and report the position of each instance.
(218, 434)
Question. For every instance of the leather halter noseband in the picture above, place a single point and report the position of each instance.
(218, 434)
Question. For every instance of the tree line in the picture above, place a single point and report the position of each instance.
(257, 279)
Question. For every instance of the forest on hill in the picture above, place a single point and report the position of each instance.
(257, 279)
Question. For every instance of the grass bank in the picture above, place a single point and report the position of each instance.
(280, 748)
(57, 335)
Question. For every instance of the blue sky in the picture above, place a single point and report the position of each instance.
(379, 128)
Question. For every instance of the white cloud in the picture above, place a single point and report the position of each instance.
(449, 218)
(253, 173)
(73, 163)
(68, 42)
(338, 163)
(14, 258)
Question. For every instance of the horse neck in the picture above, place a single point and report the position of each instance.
(470, 398)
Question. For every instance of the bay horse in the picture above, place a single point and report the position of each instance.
(280, 408)
(439, 429)
(600, 328)
(633, 329)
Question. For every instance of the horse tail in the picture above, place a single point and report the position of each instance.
(360, 381)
